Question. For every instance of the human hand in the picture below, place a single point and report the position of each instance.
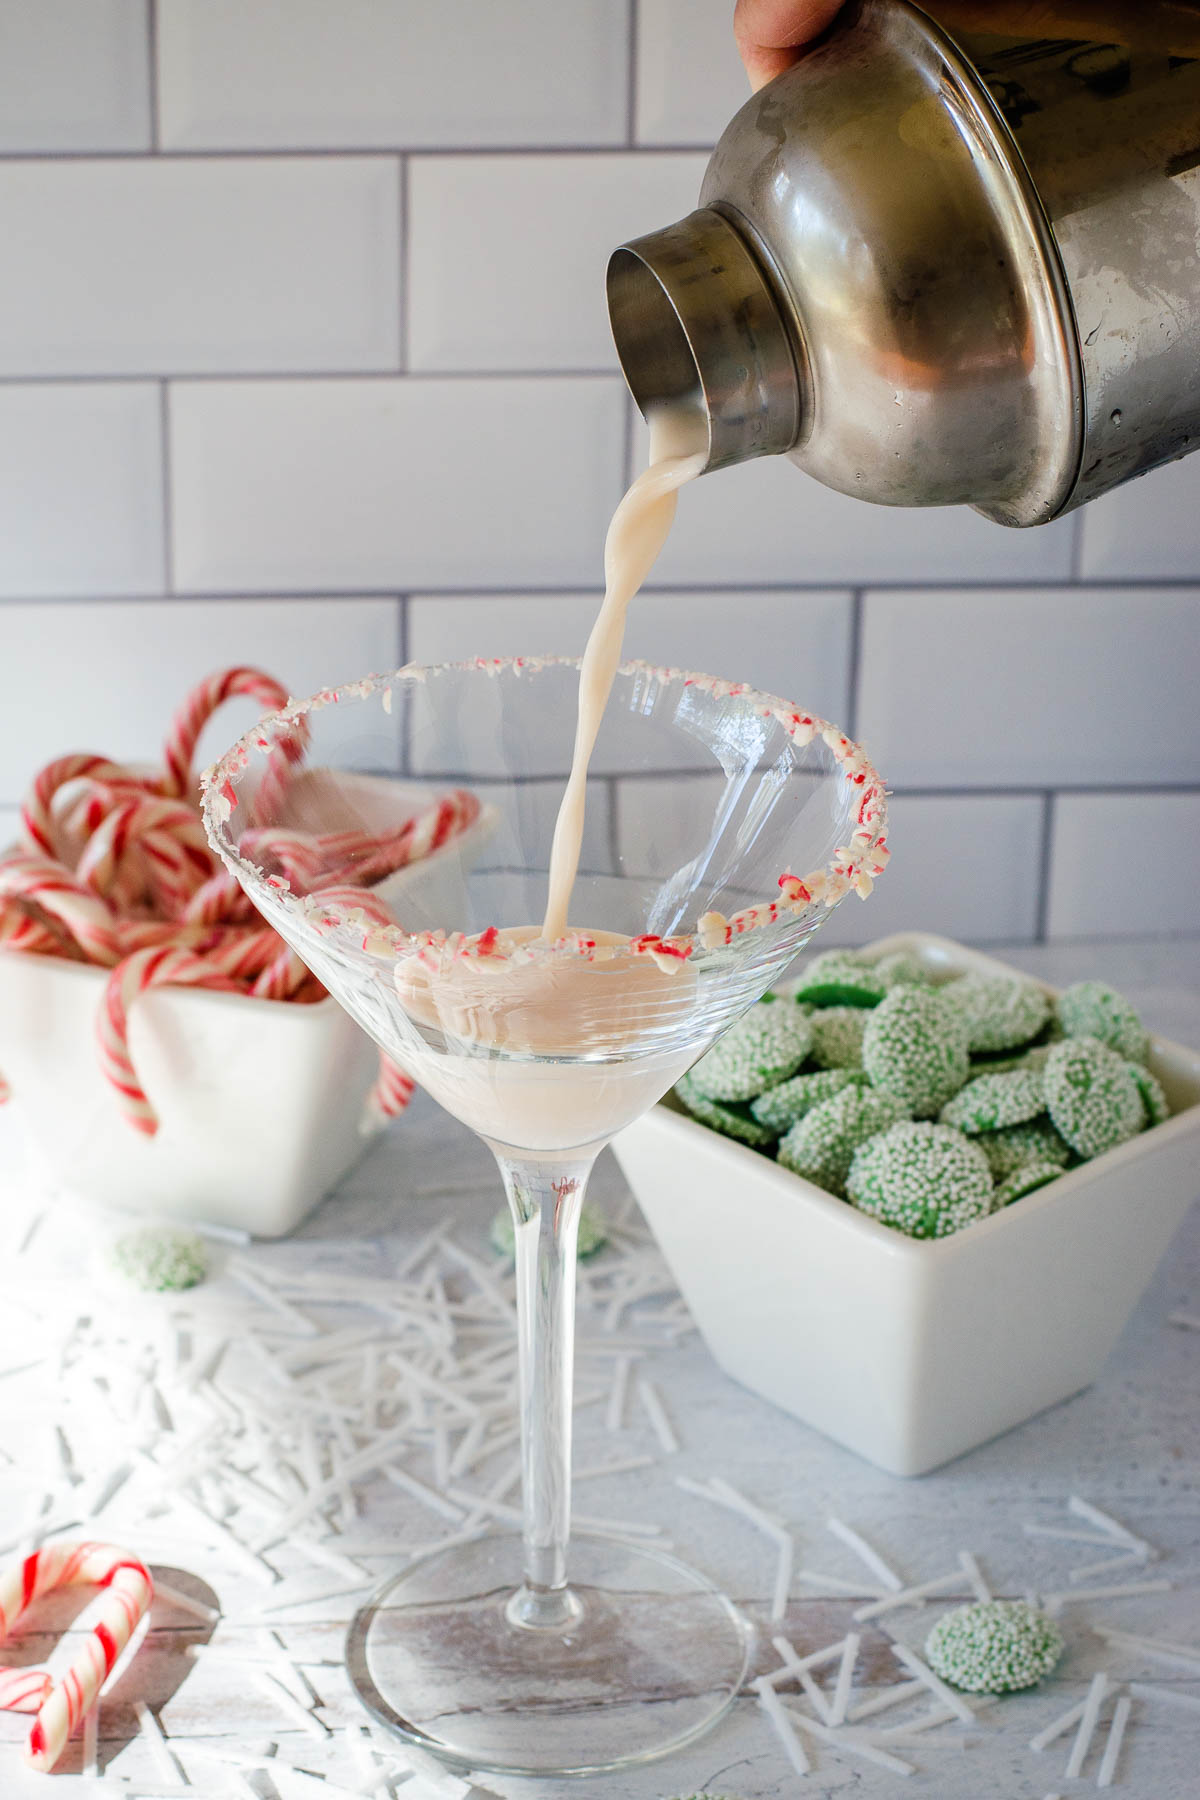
(770, 34)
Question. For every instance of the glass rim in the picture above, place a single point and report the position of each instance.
(853, 867)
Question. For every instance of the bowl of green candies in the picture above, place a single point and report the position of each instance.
(913, 1198)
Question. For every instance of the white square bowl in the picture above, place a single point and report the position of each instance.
(260, 1103)
(911, 1352)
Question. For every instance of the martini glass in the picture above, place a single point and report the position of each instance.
(516, 1651)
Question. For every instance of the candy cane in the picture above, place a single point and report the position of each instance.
(61, 1704)
(117, 872)
(199, 708)
(143, 970)
(37, 816)
(48, 886)
(391, 1093)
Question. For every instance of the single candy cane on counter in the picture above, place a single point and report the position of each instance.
(61, 1704)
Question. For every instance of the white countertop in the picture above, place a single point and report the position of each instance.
(1130, 1444)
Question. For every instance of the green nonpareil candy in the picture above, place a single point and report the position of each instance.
(994, 1646)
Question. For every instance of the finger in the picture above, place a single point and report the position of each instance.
(771, 33)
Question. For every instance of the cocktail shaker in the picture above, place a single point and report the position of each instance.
(944, 260)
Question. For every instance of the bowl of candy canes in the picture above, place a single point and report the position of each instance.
(164, 1049)
(914, 1198)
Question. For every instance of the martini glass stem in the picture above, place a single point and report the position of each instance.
(545, 1196)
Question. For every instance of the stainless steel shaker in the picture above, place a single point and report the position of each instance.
(940, 262)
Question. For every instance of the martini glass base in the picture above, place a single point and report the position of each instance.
(655, 1657)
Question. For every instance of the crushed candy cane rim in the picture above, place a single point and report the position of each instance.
(854, 866)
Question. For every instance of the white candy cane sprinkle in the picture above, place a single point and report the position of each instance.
(869, 1556)
(1145, 1690)
(974, 1575)
(912, 1662)
(782, 1726)
(653, 1408)
(1112, 1747)
(1083, 1509)
(1156, 1649)
(845, 1676)
(1087, 1725)
(1055, 1602)
(909, 1596)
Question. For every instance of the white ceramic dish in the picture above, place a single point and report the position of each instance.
(908, 1352)
(260, 1103)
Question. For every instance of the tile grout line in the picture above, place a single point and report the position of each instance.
(567, 590)
(327, 152)
(168, 509)
(1077, 546)
(153, 94)
(1045, 857)
(613, 784)
(631, 75)
(404, 323)
(854, 663)
(402, 634)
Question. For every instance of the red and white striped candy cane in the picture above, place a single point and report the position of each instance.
(39, 826)
(391, 1093)
(147, 851)
(156, 967)
(49, 887)
(62, 1703)
(198, 709)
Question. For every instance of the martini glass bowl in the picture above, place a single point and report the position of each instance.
(521, 1651)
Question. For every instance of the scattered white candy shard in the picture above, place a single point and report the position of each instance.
(845, 1676)
(974, 1575)
(157, 1746)
(653, 1408)
(1083, 1509)
(1087, 1725)
(1057, 1728)
(1054, 1603)
(912, 1662)
(854, 1746)
(782, 1726)
(909, 1596)
(1145, 1690)
(1156, 1649)
(869, 1556)
(896, 1695)
(1112, 1747)
(1130, 1559)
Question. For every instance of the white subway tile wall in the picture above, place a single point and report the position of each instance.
(74, 75)
(125, 665)
(1123, 864)
(304, 362)
(542, 228)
